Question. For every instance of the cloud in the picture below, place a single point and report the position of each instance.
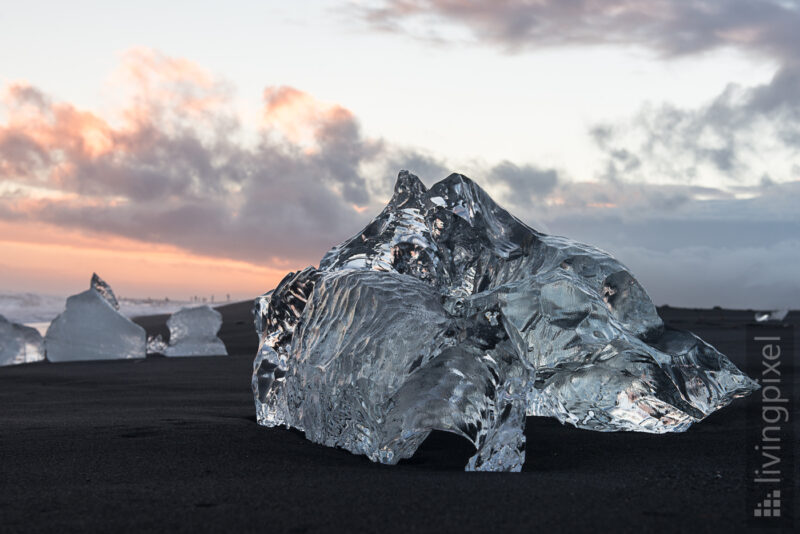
(298, 116)
(733, 138)
(170, 88)
(756, 277)
(689, 246)
(669, 27)
(427, 167)
(524, 181)
(171, 167)
(176, 166)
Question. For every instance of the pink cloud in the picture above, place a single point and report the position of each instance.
(299, 116)
(168, 166)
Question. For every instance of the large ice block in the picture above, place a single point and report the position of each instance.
(193, 332)
(91, 328)
(448, 313)
(19, 343)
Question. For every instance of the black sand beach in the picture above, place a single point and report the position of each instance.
(172, 444)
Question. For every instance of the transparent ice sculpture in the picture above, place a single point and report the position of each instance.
(448, 313)
(91, 328)
(19, 343)
(193, 332)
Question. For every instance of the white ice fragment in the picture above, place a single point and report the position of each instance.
(19, 343)
(156, 345)
(91, 328)
(775, 315)
(193, 332)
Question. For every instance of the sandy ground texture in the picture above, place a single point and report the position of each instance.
(172, 444)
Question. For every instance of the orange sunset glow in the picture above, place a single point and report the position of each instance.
(51, 259)
(60, 159)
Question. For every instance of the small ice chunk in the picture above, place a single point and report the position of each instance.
(156, 345)
(775, 315)
(193, 332)
(19, 343)
(91, 328)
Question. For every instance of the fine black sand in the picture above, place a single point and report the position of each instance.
(172, 444)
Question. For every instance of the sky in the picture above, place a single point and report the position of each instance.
(207, 148)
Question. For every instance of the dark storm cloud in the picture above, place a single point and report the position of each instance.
(525, 180)
(670, 27)
(428, 168)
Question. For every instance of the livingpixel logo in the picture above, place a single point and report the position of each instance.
(769, 507)
(770, 419)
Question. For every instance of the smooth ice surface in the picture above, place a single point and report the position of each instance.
(91, 328)
(447, 313)
(19, 343)
(193, 332)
